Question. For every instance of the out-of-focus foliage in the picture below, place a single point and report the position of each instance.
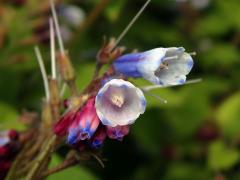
(196, 135)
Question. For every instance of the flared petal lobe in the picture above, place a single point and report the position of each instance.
(175, 68)
(119, 102)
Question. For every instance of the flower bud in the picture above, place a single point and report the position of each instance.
(61, 127)
(117, 132)
(98, 138)
(84, 124)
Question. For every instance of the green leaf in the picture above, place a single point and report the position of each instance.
(227, 115)
(221, 157)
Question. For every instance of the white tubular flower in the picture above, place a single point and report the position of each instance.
(119, 102)
(174, 68)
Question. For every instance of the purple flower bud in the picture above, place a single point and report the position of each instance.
(98, 138)
(85, 123)
(117, 132)
(164, 66)
(119, 102)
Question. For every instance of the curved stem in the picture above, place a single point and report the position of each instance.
(64, 165)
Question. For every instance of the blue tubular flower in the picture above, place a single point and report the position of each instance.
(163, 66)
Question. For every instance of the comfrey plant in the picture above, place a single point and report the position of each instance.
(106, 108)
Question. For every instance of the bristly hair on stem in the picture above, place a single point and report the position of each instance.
(149, 88)
(52, 48)
(43, 71)
(146, 89)
(57, 27)
(155, 96)
(130, 24)
(59, 39)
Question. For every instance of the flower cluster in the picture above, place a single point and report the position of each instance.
(117, 102)
(108, 114)
(8, 150)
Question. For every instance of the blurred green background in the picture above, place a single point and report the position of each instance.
(196, 135)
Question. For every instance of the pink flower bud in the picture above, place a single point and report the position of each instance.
(63, 124)
(85, 123)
